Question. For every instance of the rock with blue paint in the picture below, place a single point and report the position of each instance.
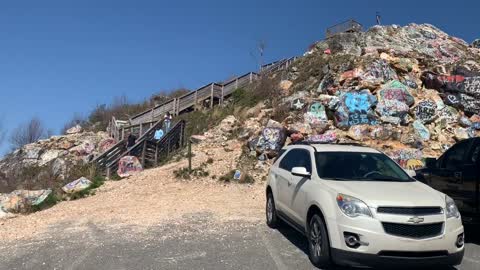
(356, 108)
(421, 131)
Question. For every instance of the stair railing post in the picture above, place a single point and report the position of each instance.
(195, 100)
(181, 134)
(156, 154)
(174, 105)
(189, 155)
(211, 96)
(143, 152)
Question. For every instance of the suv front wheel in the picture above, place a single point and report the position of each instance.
(318, 243)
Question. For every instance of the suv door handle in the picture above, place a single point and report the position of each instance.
(289, 183)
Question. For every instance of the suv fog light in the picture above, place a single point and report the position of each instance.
(352, 240)
(460, 240)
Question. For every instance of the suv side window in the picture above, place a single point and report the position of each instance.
(296, 158)
(475, 154)
(455, 156)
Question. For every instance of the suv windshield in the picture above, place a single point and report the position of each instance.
(358, 166)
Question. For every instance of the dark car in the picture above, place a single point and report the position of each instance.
(457, 174)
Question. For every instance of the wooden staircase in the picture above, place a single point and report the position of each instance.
(149, 150)
(216, 93)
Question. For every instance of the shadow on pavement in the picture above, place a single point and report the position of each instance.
(472, 234)
(300, 241)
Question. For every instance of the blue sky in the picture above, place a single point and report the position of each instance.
(58, 58)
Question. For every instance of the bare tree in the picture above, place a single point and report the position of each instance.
(26, 133)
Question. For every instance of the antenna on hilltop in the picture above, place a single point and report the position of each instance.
(378, 18)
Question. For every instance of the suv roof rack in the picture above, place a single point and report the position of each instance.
(310, 143)
(305, 143)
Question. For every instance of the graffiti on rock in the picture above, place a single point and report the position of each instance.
(449, 114)
(326, 85)
(476, 43)
(380, 71)
(318, 110)
(77, 185)
(413, 164)
(425, 111)
(470, 104)
(298, 104)
(402, 156)
(421, 131)
(355, 108)
(392, 108)
(471, 86)
(395, 90)
(327, 137)
(129, 165)
(452, 99)
(272, 139)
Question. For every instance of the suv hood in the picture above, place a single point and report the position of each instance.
(378, 193)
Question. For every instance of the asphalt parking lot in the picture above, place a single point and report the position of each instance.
(195, 243)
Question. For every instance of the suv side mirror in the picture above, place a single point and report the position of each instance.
(430, 163)
(300, 171)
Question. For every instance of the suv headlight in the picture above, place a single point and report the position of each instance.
(451, 209)
(352, 206)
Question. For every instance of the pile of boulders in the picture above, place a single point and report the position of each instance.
(410, 91)
(48, 161)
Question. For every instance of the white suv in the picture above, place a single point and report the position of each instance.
(357, 207)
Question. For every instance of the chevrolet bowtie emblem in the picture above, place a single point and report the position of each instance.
(416, 220)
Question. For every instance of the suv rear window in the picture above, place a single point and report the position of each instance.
(358, 166)
(296, 158)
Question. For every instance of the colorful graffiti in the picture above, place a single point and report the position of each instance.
(129, 165)
(426, 111)
(298, 104)
(395, 90)
(421, 131)
(316, 114)
(355, 108)
(77, 185)
(380, 72)
(271, 139)
(327, 137)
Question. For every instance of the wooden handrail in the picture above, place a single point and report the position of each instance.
(272, 67)
(140, 145)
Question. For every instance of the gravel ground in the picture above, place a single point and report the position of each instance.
(202, 244)
(154, 221)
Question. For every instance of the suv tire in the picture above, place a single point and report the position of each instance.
(318, 243)
(271, 211)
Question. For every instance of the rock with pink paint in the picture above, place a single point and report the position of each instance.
(129, 165)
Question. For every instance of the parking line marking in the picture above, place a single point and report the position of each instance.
(273, 252)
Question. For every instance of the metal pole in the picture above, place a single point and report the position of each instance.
(189, 155)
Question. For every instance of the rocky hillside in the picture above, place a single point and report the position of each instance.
(50, 163)
(409, 91)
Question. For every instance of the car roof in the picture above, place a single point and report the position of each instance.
(337, 148)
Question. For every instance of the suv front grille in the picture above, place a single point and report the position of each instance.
(410, 211)
(413, 231)
(413, 254)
